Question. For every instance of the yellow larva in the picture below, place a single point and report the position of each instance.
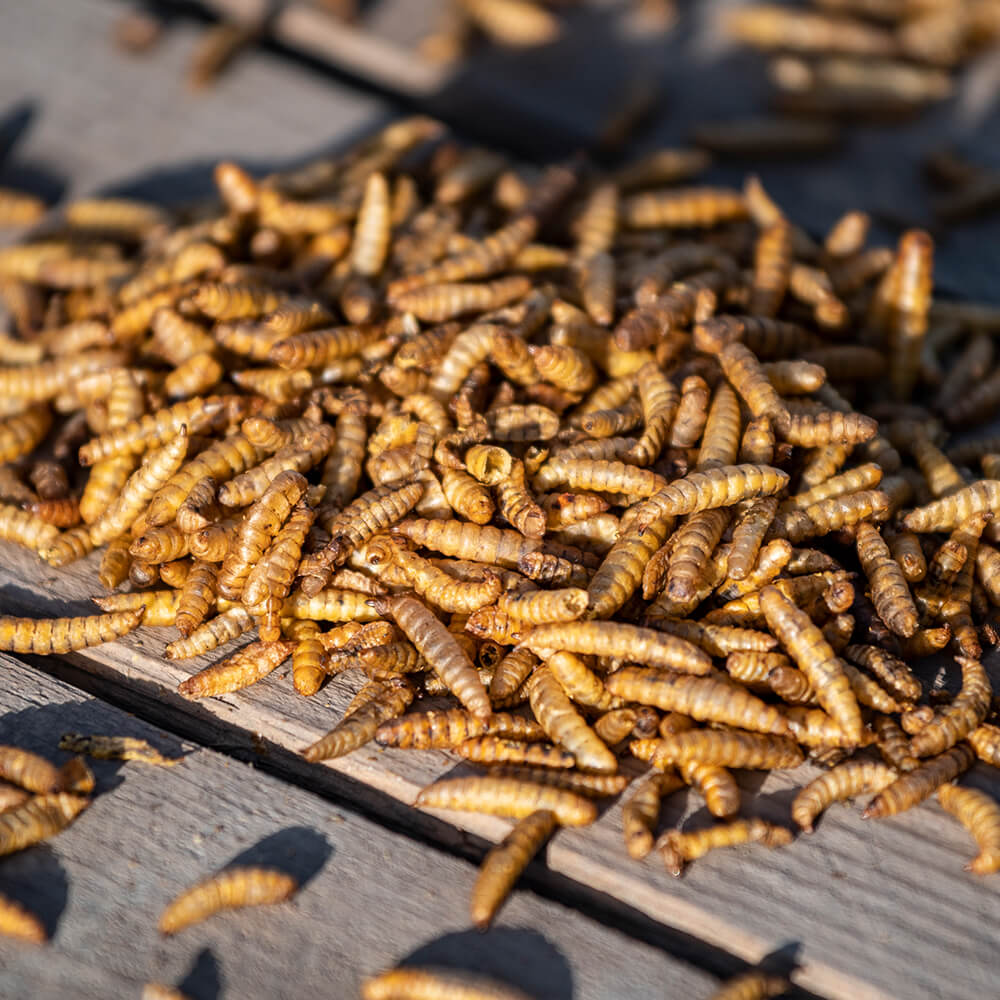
(229, 890)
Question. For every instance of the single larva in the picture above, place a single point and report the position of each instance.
(915, 786)
(956, 721)
(815, 658)
(242, 669)
(229, 890)
(715, 785)
(48, 636)
(620, 641)
(115, 748)
(507, 797)
(843, 782)
(377, 702)
(703, 698)
(980, 815)
(678, 848)
(722, 748)
(438, 646)
(552, 707)
(437, 984)
(28, 770)
(985, 740)
(503, 865)
(156, 469)
(38, 819)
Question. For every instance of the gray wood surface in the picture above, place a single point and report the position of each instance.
(877, 909)
(369, 899)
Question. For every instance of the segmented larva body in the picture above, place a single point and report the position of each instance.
(440, 649)
(156, 469)
(985, 740)
(718, 487)
(436, 984)
(491, 749)
(115, 748)
(242, 669)
(38, 819)
(565, 726)
(229, 890)
(921, 783)
(715, 785)
(678, 847)
(154, 429)
(503, 865)
(964, 715)
(703, 698)
(28, 770)
(378, 701)
(889, 589)
(949, 512)
(620, 641)
(642, 810)
(980, 815)
(842, 782)
(508, 797)
(230, 624)
(722, 748)
(893, 744)
(805, 643)
(47, 636)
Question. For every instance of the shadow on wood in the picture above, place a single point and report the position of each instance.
(36, 879)
(517, 956)
(299, 851)
(204, 979)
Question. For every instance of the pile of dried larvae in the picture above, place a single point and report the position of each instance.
(625, 467)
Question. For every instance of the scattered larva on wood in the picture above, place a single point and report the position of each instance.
(980, 815)
(229, 890)
(436, 984)
(115, 748)
(38, 819)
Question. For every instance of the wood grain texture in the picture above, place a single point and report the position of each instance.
(369, 898)
(862, 899)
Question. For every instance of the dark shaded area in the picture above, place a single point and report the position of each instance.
(514, 956)
(204, 979)
(36, 879)
(299, 851)
(39, 730)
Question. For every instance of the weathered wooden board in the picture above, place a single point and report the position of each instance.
(370, 898)
(879, 909)
(99, 119)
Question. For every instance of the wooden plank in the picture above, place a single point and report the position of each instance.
(370, 899)
(104, 120)
(862, 898)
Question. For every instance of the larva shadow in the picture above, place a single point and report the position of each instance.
(39, 730)
(36, 879)
(204, 979)
(299, 851)
(25, 175)
(514, 955)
